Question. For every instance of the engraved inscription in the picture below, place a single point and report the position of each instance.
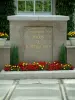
(38, 41)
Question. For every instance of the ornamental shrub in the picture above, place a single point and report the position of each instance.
(63, 54)
(14, 55)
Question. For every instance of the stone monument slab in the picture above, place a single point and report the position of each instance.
(39, 37)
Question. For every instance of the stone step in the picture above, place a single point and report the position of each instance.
(36, 98)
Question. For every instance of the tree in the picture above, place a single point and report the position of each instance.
(6, 8)
(66, 7)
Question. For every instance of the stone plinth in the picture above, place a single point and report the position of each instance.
(71, 54)
(4, 55)
(39, 37)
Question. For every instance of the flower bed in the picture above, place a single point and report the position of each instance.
(37, 66)
(3, 35)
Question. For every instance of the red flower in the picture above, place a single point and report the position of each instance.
(54, 66)
(32, 67)
(22, 68)
(43, 63)
(21, 64)
(7, 68)
(71, 68)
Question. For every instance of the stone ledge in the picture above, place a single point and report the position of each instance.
(38, 17)
(70, 47)
(37, 74)
(7, 45)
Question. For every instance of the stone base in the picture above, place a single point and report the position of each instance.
(37, 74)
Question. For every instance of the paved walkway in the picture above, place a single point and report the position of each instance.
(37, 89)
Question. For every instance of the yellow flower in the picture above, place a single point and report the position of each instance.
(64, 68)
(41, 68)
(26, 64)
(71, 34)
(6, 65)
(6, 34)
(2, 34)
(61, 64)
(23, 64)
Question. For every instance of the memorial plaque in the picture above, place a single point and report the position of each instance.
(38, 44)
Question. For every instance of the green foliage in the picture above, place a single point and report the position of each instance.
(29, 6)
(14, 55)
(6, 8)
(47, 5)
(40, 6)
(63, 55)
(66, 7)
(21, 5)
